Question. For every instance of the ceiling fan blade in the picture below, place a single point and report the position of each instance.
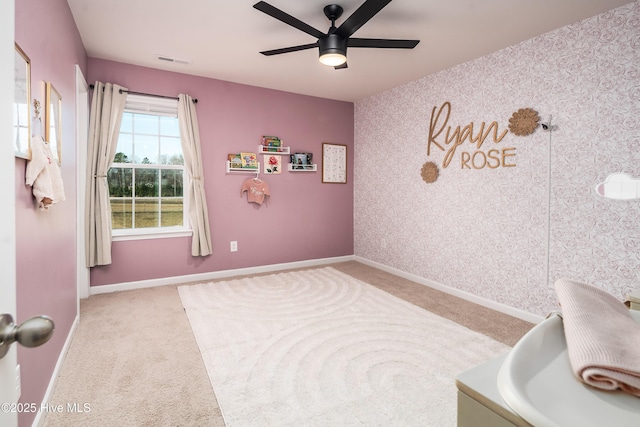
(287, 19)
(358, 18)
(341, 66)
(289, 49)
(383, 43)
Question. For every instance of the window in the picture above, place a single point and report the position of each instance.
(147, 179)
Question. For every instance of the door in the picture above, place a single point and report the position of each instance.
(8, 383)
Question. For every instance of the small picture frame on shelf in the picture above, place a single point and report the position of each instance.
(301, 161)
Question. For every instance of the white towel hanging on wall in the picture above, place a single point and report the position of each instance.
(44, 175)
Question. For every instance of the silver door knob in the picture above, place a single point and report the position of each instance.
(30, 333)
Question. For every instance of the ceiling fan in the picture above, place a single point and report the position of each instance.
(333, 45)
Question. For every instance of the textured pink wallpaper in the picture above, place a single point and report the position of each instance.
(484, 230)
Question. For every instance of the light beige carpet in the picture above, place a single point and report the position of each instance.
(321, 348)
(135, 360)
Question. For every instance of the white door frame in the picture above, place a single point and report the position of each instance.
(9, 385)
(82, 131)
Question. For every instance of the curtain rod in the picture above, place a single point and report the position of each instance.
(195, 100)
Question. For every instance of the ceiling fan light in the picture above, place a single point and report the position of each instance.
(333, 59)
(333, 50)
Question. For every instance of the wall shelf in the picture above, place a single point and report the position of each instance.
(302, 168)
(229, 169)
(264, 149)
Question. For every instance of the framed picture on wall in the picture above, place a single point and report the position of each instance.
(53, 121)
(272, 164)
(334, 163)
(22, 105)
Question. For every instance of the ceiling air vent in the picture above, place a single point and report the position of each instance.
(165, 58)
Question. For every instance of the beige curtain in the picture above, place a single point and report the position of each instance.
(198, 213)
(107, 107)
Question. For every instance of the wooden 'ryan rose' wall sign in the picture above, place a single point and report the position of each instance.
(450, 140)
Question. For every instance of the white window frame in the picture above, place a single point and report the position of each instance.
(142, 104)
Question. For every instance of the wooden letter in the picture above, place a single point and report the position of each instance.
(505, 154)
(464, 159)
(493, 155)
(473, 160)
(432, 133)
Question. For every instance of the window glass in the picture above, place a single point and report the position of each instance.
(147, 212)
(121, 212)
(169, 127)
(146, 148)
(124, 152)
(147, 178)
(170, 151)
(146, 183)
(171, 212)
(171, 183)
(146, 124)
(120, 182)
(127, 123)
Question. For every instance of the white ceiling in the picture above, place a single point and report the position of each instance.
(222, 39)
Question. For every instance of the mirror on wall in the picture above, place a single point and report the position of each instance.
(619, 186)
(53, 121)
(21, 104)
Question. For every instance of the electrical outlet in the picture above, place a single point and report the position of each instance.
(234, 246)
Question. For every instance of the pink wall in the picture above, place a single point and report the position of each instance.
(304, 219)
(45, 248)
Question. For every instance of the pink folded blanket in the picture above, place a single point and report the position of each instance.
(603, 340)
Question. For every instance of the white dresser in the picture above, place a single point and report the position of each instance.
(479, 401)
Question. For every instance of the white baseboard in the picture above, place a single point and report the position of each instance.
(40, 415)
(126, 286)
(502, 308)
(511, 311)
